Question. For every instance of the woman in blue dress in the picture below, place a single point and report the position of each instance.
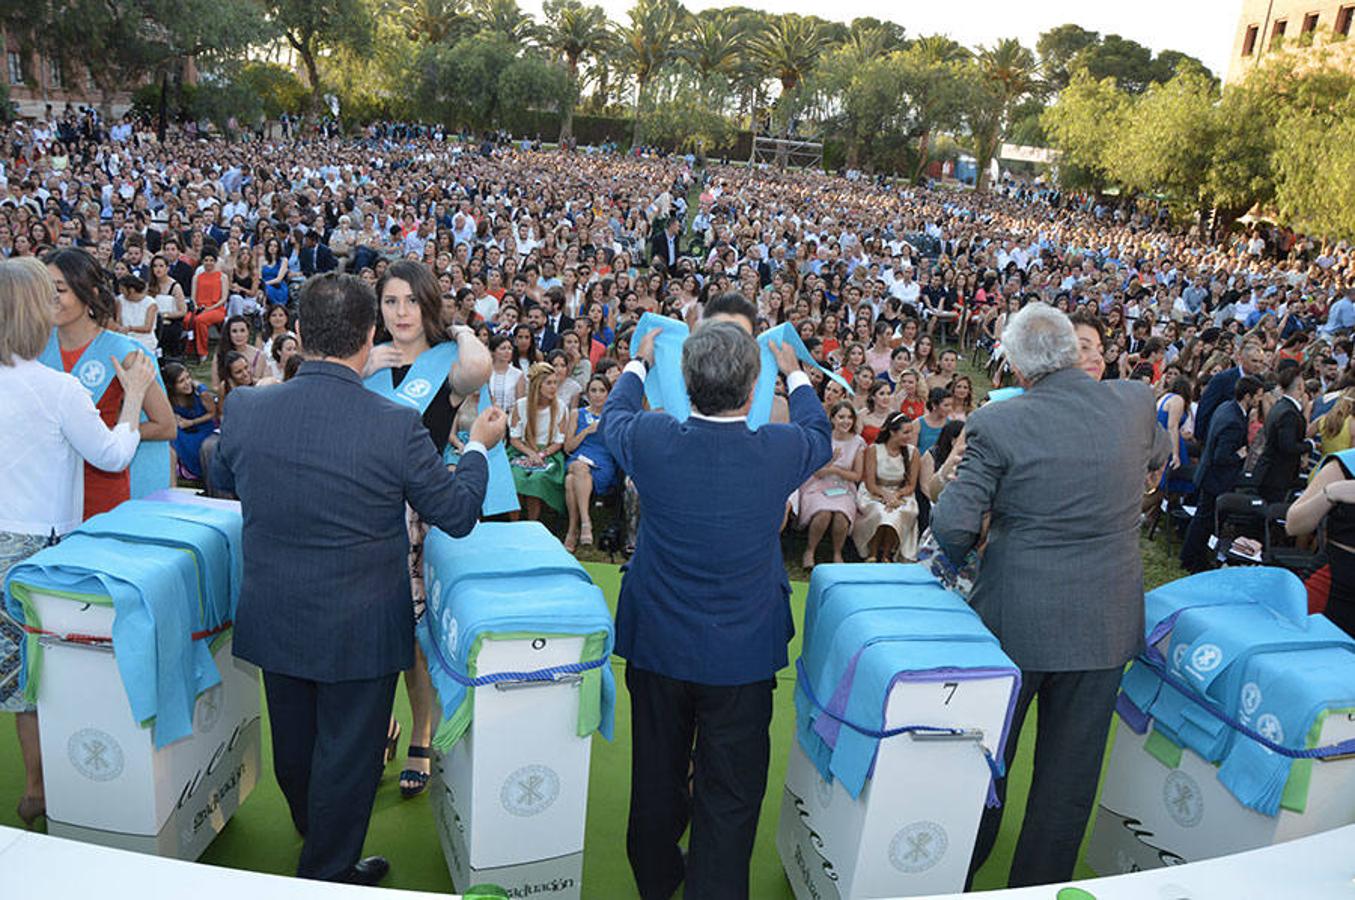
(590, 467)
(274, 272)
(194, 412)
(1171, 415)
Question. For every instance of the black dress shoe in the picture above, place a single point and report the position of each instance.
(369, 871)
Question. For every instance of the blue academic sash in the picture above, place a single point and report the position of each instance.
(150, 470)
(666, 389)
(420, 386)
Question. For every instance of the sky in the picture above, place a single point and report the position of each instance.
(1202, 28)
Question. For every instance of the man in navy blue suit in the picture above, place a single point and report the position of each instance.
(1251, 360)
(704, 613)
(1220, 466)
(323, 468)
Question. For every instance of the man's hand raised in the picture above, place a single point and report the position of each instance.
(786, 360)
(489, 427)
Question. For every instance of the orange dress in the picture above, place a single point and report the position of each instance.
(103, 490)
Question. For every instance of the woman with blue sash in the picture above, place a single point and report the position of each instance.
(416, 365)
(590, 467)
(1331, 497)
(81, 345)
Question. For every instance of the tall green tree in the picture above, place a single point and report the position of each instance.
(1004, 74)
(313, 27)
(649, 43)
(431, 21)
(1081, 126)
(504, 18)
(122, 42)
(935, 85)
(1164, 145)
(788, 48)
(1058, 47)
(575, 33)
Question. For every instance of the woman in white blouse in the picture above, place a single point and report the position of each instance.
(48, 428)
(505, 379)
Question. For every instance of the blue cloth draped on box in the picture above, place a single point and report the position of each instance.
(509, 580)
(666, 389)
(1239, 641)
(1283, 696)
(154, 593)
(866, 629)
(213, 536)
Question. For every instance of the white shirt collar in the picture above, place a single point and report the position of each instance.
(719, 419)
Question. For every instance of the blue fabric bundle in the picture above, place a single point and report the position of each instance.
(1240, 643)
(666, 389)
(868, 627)
(510, 581)
(155, 595)
(1284, 695)
(212, 535)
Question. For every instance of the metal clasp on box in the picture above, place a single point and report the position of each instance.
(520, 684)
(968, 734)
(58, 640)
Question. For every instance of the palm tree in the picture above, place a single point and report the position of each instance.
(431, 21)
(788, 49)
(648, 43)
(713, 45)
(932, 58)
(1006, 72)
(504, 17)
(574, 32)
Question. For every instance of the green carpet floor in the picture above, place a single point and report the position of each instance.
(261, 838)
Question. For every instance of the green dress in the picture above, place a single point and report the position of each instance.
(546, 483)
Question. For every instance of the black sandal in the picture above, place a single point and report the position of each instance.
(392, 742)
(418, 781)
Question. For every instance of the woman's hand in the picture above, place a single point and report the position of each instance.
(383, 357)
(135, 373)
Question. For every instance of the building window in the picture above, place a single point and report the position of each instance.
(1309, 23)
(1343, 20)
(54, 76)
(1277, 34)
(16, 66)
(1249, 42)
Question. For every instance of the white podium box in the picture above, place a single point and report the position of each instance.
(1151, 816)
(106, 783)
(510, 798)
(911, 831)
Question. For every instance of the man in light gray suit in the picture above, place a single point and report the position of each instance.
(1060, 473)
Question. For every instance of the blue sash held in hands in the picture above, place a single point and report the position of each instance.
(666, 389)
(150, 468)
(420, 386)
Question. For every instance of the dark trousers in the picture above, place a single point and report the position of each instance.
(1070, 742)
(1195, 548)
(328, 743)
(729, 777)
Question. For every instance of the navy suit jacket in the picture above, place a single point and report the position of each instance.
(323, 468)
(705, 598)
(1217, 392)
(1220, 467)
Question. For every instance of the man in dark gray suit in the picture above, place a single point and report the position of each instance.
(323, 468)
(1059, 475)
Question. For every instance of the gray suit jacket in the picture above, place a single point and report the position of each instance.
(1061, 468)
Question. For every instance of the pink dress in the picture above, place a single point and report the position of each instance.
(830, 492)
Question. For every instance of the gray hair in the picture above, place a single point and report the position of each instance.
(1039, 340)
(720, 362)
